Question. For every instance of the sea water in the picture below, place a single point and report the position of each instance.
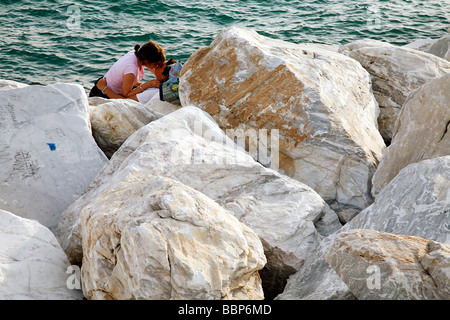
(48, 41)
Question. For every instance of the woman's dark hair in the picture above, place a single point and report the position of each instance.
(150, 52)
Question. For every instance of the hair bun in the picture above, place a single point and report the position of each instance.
(136, 47)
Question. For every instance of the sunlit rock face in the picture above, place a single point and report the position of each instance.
(320, 102)
(396, 72)
(48, 156)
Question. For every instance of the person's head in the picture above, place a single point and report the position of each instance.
(162, 71)
(150, 54)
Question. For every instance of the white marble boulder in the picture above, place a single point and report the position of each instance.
(439, 47)
(316, 280)
(422, 131)
(383, 266)
(114, 120)
(32, 264)
(320, 101)
(188, 146)
(48, 156)
(396, 72)
(421, 44)
(11, 84)
(150, 237)
(437, 264)
(415, 203)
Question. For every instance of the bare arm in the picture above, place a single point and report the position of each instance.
(147, 85)
(127, 85)
(102, 85)
(128, 82)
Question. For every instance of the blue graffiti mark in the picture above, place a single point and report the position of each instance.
(52, 146)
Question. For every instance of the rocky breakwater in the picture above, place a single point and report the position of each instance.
(411, 189)
(188, 146)
(165, 239)
(319, 101)
(182, 211)
(184, 244)
(415, 203)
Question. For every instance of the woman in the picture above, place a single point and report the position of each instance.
(144, 92)
(128, 71)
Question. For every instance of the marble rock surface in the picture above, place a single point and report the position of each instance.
(396, 72)
(383, 266)
(48, 156)
(114, 120)
(188, 146)
(318, 102)
(414, 203)
(151, 237)
(32, 264)
(422, 131)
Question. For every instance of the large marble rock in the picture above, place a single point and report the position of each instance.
(437, 264)
(316, 280)
(150, 237)
(319, 101)
(421, 44)
(10, 84)
(415, 203)
(421, 132)
(383, 266)
(47, 154)
(188, 146)
(396, 72)
(32, 264)
(114, 120)
(439, 47)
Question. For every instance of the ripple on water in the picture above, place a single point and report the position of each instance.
(44, 44)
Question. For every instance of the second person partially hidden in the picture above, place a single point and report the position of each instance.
(123, 79)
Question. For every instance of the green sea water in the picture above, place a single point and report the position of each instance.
(48, 41)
